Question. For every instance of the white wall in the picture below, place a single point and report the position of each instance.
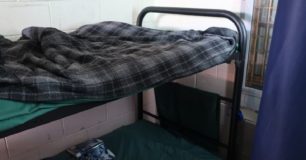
(65, 15)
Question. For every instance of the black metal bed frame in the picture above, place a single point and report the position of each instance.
(239, 64)
(235, 100)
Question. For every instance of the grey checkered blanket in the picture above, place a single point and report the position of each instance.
(104, 61)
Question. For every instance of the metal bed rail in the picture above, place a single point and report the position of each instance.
(239, 63)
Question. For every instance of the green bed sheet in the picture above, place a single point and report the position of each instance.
(14, 113)
(146, 141)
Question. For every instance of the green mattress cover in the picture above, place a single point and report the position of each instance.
(14, 113)
(146, 141)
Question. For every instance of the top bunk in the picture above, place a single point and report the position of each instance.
(46, 64)
(106, 61)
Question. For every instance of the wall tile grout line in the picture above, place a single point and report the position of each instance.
(50, 14)
(62, 125)
(107, 111)
(7, 148)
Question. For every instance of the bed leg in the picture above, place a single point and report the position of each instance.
(140, 105)
(232, 150)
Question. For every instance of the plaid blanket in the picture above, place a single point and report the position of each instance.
(104, 61)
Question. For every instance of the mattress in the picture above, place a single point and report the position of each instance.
(15, 113)
(146, 141)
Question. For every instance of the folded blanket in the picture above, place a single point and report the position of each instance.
(104, 61)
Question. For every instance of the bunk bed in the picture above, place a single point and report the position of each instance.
(237, 54)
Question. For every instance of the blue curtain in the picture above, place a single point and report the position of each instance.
(281, 127)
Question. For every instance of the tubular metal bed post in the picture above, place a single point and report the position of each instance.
(140, 105)
(239, 60)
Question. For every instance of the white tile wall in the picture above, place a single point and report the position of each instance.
(31, 155)
(139, 5)
(21, 143)
(106, 127)
(218, 79)
(16, 16)
(53, 131)
(52, 148)
(66, 15)
(3, 150)
(122, 11)
(232, 5)
(188, 81)
(226, 72)
(75, 138)
(27, 141)
(120, 107)
(102, 128)
(83, 120)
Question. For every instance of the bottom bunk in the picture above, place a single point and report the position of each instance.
(189, 121)
(147, 141)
